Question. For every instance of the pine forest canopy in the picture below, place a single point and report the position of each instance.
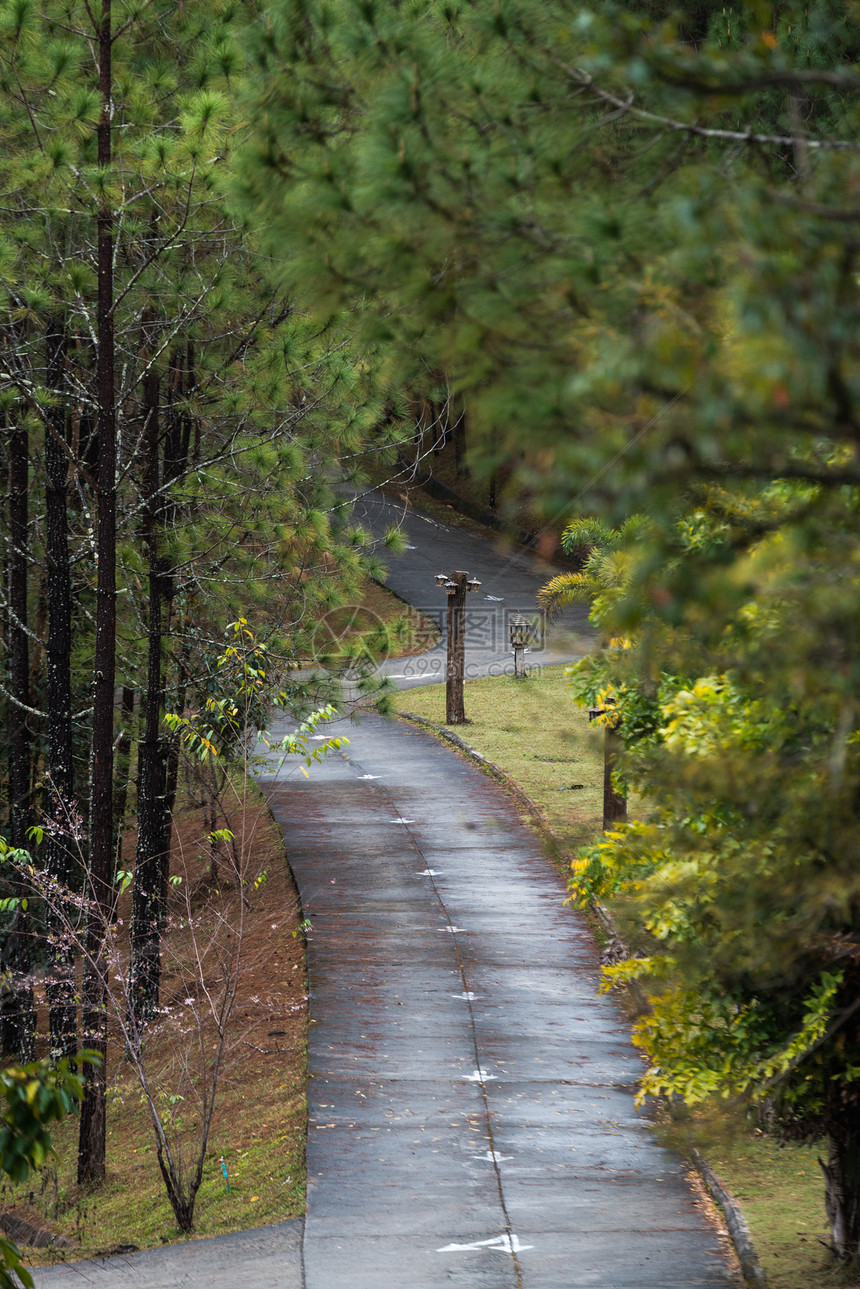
(629, 242)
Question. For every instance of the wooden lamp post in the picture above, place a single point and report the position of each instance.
(456, 585)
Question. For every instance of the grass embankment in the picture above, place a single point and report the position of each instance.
(259, 1125)
(534, 732)
(781, 1191)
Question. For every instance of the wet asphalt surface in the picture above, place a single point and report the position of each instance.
(510, 579)
(471, 1092)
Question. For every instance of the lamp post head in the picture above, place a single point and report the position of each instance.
(473, 584)
(441, 579)
(519, 630)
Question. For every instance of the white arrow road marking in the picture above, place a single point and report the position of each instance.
(401, 821)
(368, 776)
(454, 930)
(429, 872)
(469, 997)
(492, 1158)
(498, 598)
(500, 1243)
(479, 1076)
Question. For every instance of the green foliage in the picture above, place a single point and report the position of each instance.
(221, 729)
(35, 1095)
(256, 403)
(298, 742)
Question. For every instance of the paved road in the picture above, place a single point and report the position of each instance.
(268, 1258)
(510, 580)
(471, 1098)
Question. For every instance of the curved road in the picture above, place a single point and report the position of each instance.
(510, 580)
(471, 1093)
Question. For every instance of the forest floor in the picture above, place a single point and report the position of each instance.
(535, 733)
(259, 1122)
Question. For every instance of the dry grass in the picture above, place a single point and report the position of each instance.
(259, 1124)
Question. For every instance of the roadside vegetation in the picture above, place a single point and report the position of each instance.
(228, 878)
(614, 248)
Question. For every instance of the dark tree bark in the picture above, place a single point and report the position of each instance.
(19, 1012)
(842, 1184)
(842, 1129)
(458, 433)
(60, 981)
(121, 772)
(172, 767)
(20, 738)
(91, 1143)
(153, 833)
(178, 450)
(614, 802)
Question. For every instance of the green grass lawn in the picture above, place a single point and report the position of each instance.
(533, 730)
(781, 1191)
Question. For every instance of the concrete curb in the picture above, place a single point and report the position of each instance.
(736, 1223)
(753, 1272)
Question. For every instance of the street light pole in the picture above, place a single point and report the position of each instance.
(456, 585)
(455, 712)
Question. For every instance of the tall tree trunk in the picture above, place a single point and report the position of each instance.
(177, 446)
(614, 802)
(19, 651)
(20, 1018)
(153, 830)
(91, 1143)
(172, 755)
(60, 978)
(842, 1128)
(121, 773)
